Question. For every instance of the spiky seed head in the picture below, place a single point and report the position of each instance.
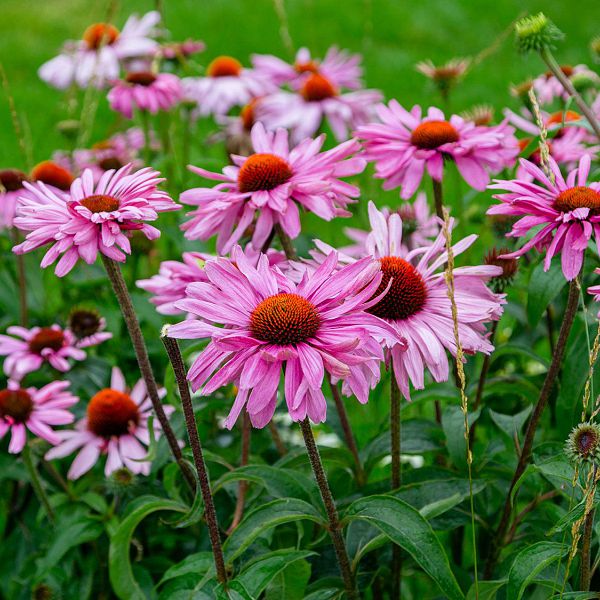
(536, 32)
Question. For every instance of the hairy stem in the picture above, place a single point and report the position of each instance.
(115, 275)
(243, 485)
(395, 434)
(286, 243)
(335, 529)
(277, 441)
(172, 348)
(348, 435)
(36, 483)
(525, 455)
(586, 572)
(438, 197)
(547, 57)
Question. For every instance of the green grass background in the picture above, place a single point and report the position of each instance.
(392, 35)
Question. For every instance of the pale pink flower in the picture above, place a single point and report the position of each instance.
(417, 306)
(36, 410)
(270, 324)
(270, 185)
(568, 212)
(339, 66)
(419, 227)
(145, 91)
(405, 143)
(11, 187)
(547, 88)
(566, 144)
(35, 347)
(169, 285)
(595, 290)
(227, 84)
(116, 424)
(178, 50)
(316, 103)
(98, 57)
(96, 217)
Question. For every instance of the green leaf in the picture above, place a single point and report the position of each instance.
(439, 507)
(529, 562)
(511, 425)
(257, 575)
(263, 518)
(196, 511)
(406, 527)
(198, 564)
(486, 590)
(544, 287)
(119, 564)
(453, 424)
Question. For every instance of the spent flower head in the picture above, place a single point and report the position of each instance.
(509, 267)
(583, 443)
(536, 32)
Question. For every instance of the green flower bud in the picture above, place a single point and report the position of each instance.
(536, 32)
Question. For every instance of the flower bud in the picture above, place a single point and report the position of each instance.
(536, 32)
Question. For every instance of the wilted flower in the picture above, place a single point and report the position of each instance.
(88, 327)
(36, 410)
(446, 76)
(116, 424)
(583, 443)
(536, 32)
(482, 114)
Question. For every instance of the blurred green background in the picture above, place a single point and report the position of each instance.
(391, 34)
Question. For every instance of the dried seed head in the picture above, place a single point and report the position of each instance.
(583, 443)
(509, 266)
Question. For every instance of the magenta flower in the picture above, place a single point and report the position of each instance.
(95, 217)
(339, 66)
(98, 57)
(37, 346)
(178, 50)
(269, 323)
(36, 410)
(417, 306)
(547, 87)
(11, 187)
(318, 101)
(145, 91)
(227, 84)
(116, 424)
(595, 290)
(173, 277)
(567, 211)
(269, 185)
(406, 143)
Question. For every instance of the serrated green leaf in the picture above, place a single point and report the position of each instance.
(407, 528)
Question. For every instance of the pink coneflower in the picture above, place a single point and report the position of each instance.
(237, 129)
(269, 185)
(565, 144)
(445, 76)
(52, 174)
(116, 424)
(112, 153)
(270, 323)
(98, 57)
(406, 143)
(419, 227)
(94, 217)
(227, 84)
(339, 66)
(547, 87)
(568, 211)
(88, 327)
(179, 50)
(37, 346)
(37, 410)
(417, 306)
(169, 285)
(145, 91)
(595, 290)
(11, 187)
(319, 101)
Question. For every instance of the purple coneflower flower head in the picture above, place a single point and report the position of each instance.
(417, 306)
(340, 67)
(595, 290)
(405, 144)
(169, 285)
(268, 187)
(27, 349)
(567, 212)
(115, 425)
(11, 187)
(145, 91)
(226, 84)
(316, 102)
(260, 323)
(98, 57)
(95, 217)
(88, 327)
(36, 410)
(547, 87)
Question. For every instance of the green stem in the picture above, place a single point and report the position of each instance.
(395, 432)
(36, 483)
(145, 117)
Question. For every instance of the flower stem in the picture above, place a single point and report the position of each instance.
(172, 348)
(145, 117)
(348, 435)
(525, 455)
(332, 515)
(438, 198)
(277, 441)
(286, 243)
(115, 275)
(586, 573)
(395, 433)
(36, 483)
(22, 282)
(243, 485)
(484, 370)
(547, 57)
